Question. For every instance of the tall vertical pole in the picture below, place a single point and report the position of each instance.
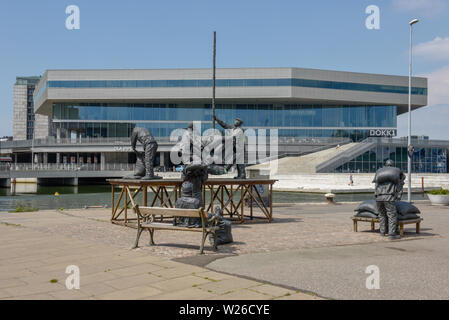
(213, 80)
(409, 141)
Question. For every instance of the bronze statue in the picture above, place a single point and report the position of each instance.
(193, 176)
(389, 186)
(238, 138)
(145, 160)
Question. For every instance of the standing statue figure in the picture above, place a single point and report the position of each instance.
(145, 159)
(193, 144)
(238, 141)
(389, 182)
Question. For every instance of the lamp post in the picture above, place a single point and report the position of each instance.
(409, 142)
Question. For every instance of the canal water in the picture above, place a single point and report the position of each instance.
(43, 197)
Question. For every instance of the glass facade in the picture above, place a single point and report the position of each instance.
(292, 120)
(290, 82)
(197, 83)
(424, 160)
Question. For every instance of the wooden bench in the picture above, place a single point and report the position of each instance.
(146, 220)
(401, 223)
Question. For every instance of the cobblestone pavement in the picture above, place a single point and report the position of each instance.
(37, 247)
(33, 266)
(416, 269)
(294, 226)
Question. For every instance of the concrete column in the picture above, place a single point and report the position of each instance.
(45, 157)
(102, 161)
(58, 133)
(58, 157)
(162, 159)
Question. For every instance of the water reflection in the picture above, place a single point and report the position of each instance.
(43, 197)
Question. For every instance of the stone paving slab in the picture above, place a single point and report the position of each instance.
(36, 247)
(417, 269)
(37, 271)
(294, 226)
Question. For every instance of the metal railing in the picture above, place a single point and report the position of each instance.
(67, 167)
(400, 142)
(53, 141)
(319, 148)
(346, 156)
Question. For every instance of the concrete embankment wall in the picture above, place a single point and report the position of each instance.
(339, 182)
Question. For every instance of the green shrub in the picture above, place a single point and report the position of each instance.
(21, 208)
(439, 192)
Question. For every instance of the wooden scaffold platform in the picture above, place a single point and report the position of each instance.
(231, 195)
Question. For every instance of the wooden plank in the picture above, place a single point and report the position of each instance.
(145, 196)
(173, 182)
(168, 226)
(190, 213)
(114, 209)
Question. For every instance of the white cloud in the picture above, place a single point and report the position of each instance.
(428, 121)
(437, 49)
(438, 84)
(433, 120)
(423, 6)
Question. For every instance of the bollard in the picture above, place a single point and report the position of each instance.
(330, 198)
(422, 186)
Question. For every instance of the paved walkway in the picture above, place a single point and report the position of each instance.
(309, 251)
(33, 264)
(417, 269)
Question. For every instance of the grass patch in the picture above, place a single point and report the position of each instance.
(22, 208)
(11, 224)
(442, 192)
(54, 281)
(210, 279)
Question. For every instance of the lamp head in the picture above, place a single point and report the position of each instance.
(413, 21)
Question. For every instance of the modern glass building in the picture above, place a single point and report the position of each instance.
(92, 113)
(297, 102)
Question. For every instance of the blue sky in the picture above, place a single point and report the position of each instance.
(322, 34)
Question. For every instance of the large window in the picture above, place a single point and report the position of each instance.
(296, 120)
(424, 160)
(321, 84)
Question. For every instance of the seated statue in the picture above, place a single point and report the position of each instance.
(193, 177)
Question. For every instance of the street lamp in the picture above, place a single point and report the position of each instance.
(409, 143)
